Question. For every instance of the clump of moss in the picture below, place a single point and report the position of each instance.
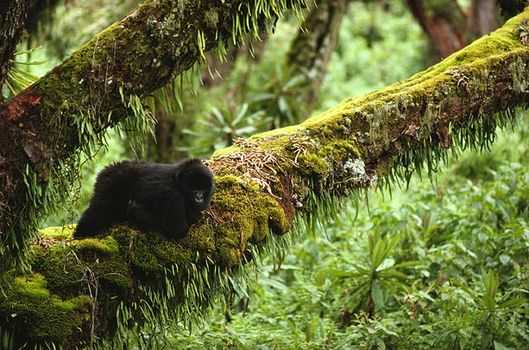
(52, 318)
(58, 232)
(148, 253)
(312, 163)
(105, 246)
(247, 215)
(33, 286)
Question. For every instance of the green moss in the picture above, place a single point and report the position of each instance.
(145, 255)
(502, 42)
(148, 253)
(32, 286)
(225, 151)
(60, 267)
(58, 232)
(250, 215)
(59, 304)
(52, 300)
(341, 150)
(276, 133)
(81, 304)
(71, 266)
(51, 317)
(313, 163)
(211, 18)
(114, 276)
(275, 215)
(106, 245)
(232, 180)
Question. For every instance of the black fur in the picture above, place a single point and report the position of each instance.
(165, 198)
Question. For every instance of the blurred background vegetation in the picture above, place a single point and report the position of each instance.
(441, 263)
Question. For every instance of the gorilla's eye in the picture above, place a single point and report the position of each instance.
(198, 196)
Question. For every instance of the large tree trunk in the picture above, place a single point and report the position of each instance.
(263, 183)
(172, 119)
(510, 8)
(449, 28)
(15, 17)
(45, 126)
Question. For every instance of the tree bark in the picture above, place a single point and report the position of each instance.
(37, 10)
(263, 183)
(13, 16)
(68, 110)
(311, 50)
(483, 17)
(449, 28)
(171, 121)
(443, 22)
(510, 8)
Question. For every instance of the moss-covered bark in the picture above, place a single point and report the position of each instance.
(45, 126)
(13, 16)
(262, 184)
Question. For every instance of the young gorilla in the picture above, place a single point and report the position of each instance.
(165, 198)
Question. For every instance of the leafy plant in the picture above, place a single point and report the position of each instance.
(19, 76)
(375, 275)
(279, 99)
(223, 126)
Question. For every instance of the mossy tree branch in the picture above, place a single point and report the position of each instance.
(263, 183)
(68, 110)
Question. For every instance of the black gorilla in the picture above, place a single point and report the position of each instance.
(165, 198)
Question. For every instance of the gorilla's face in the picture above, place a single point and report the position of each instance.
(199, 196)
(198, 187)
